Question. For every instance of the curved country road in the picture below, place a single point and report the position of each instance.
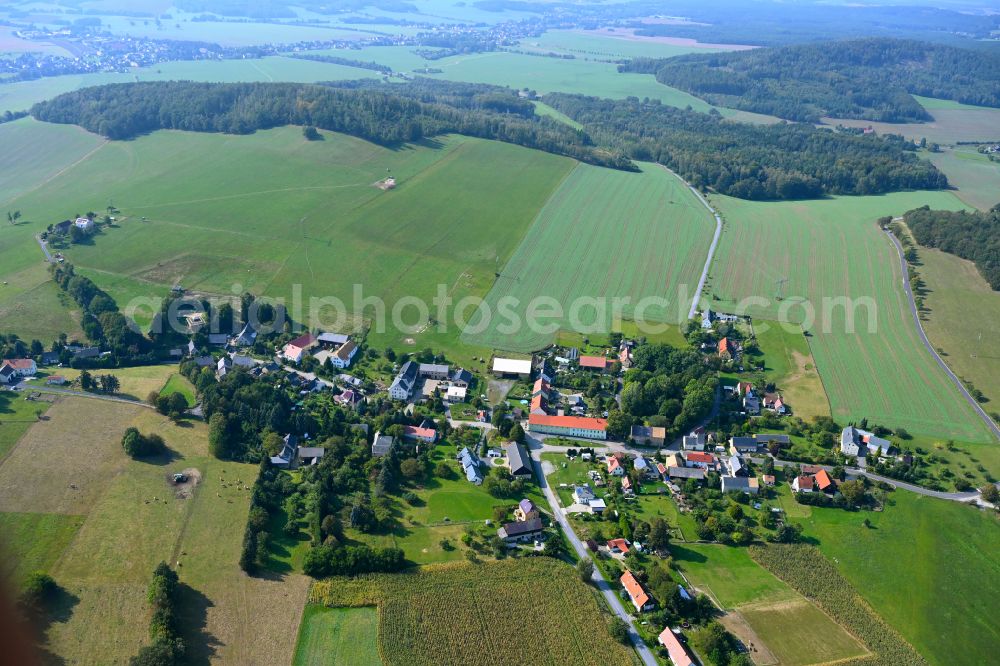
(990, 423)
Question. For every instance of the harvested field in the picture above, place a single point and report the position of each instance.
(798, 633)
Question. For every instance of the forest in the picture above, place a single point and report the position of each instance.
(971, 235)
(870, 79)
(127, 110)
(783, 161)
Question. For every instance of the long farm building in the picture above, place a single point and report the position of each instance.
(569, 426)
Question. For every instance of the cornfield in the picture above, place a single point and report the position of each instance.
(812, 575)
(526, 611)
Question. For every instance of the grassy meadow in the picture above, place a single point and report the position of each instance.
(105, 521)
(831, 249)
(963, 312)
(270, 211)
(603, 234)
(463, 613)
(975, 176)
(927, 566)
(952, 122)
(788, 362)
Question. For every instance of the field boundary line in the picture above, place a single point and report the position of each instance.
(908, 291)
(711, 248)
(57, 173)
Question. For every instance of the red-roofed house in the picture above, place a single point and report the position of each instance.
(675, 649)
(698, 459)
(428, 435)
(570, 426)
(295, 350)
(538, 405)
(618, 546)
(615, 467)
(625, 358)
(594, 363)
(726, 349)
(541, 387)
(824, 483)
(640, 598)
(22, 367)
(627, 486)
(661, 469)
(802, 484)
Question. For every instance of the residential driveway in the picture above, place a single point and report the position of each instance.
(609, 592)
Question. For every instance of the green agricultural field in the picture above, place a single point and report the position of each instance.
(105, 521)
(456, 614)
(945, 577)
(975, 176)
(728, 575)
(17, 414)
(603, 235)
(333, 636)
(827, 250)
(178, 383)
(272, 213)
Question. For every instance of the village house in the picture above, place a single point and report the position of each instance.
(569, 426)
(774, 403)
(637, 593)
(861, 444)
(84, 224)
(740, 484)
(521, 531)
(56, 380)
(382, 444)
(627, 488)
(675, 649)
(297, 349)
(460, 377)
(814, 480)
(455, 394)
(518, 461)
(525, 510)
(418, 433)
(470, 464)
(436, 371)
(511, 367)
(404, 383)
(695, 441)
(287, 456)
(648, 436)
(615, 467)
(619, 547)
(728, 349)
(625, 356)
(802, 484)
(699, 459)
(696, 473)
(743, 445)
(349, 399)
(598, 363)
(246, 337)
(20, 367)
(344, 354)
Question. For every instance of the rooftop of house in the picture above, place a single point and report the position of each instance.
(634, 589)
(593, 362)
(580, 422)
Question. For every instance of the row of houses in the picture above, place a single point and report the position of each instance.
(456, 382)
(338, 348)
(584, 427)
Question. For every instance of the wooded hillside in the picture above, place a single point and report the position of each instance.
(871, 79)
(971, 235)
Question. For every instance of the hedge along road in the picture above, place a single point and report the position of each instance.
(990, 423)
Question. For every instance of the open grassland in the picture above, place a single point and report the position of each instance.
(975, 176)
(178, 383)
(828, 250)
(603, 235)
(108, 520)
(333, 636)
(271, 211)
(456, 614)
(136, 383)
(952, 122)
(17, 414)
(963, 312)
(799, 634)
(945, 577)
(788, 362)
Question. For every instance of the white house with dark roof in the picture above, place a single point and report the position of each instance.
(861, 444)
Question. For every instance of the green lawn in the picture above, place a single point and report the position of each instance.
(336, 636)
(178, 383)
(269, 211)
(728, 574)
(828, 250)
(603, 235)
(463, 411)
(928, 566)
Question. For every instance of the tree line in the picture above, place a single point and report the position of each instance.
(972, 235)
(871, 79)
(782, 161)
(167, 647)
(124, 111)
